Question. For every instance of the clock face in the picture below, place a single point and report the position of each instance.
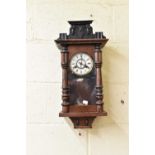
(81, 64)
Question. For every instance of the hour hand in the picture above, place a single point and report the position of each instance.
(86, 66)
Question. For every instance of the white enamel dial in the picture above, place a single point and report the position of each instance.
(81, 64)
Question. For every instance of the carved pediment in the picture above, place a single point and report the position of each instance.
(81, 30)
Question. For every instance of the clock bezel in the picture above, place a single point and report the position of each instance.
(81, 75)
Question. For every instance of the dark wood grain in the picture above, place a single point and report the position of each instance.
(76, 89)
(65, 86)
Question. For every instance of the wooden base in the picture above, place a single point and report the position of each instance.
(82, 116)
(82, 122)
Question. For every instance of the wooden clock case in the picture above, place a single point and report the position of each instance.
(89, 87)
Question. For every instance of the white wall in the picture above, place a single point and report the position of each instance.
(47, 134)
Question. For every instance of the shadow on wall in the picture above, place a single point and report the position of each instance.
(114, 73)
(107, 54)
(115, 61)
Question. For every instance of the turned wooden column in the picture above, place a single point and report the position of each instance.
(65, 87)
(98, 64)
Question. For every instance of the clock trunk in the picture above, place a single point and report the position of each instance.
(82, 88)
(82, 95)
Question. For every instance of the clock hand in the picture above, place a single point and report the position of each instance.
(81, 63)
(86, 66)
(76, 66)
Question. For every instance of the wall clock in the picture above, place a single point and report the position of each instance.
(81, 61)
